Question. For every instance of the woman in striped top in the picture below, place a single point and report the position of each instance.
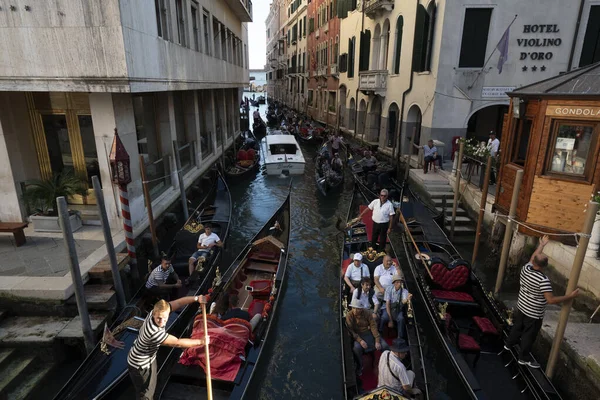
(534, 293)
(152, 335)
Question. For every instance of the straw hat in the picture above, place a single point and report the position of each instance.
(397, 277)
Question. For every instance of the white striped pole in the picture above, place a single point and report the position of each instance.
(127, 226)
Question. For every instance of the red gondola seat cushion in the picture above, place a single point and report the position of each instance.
(485, 325)
(256, 307)
(242, 155)
(449, 279)
(452, 296)
(261, 288)
(468, 343)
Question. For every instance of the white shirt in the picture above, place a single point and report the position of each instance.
(493, 145)
(381, 212)
(356, 273)
(208, 240)
(335, 142)
(385, 275)
(385, 376)
(364, 298)
(395, 296)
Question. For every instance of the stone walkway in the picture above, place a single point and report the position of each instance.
(45, 254)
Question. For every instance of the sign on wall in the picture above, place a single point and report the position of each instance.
(496, 92)
(577, 111)
(535, 50)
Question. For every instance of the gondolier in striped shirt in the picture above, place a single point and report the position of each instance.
(142, 356)
(534, 293)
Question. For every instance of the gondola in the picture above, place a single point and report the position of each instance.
(357, 239)
(326, 177)
(256, 276)
(272, 118)
(371, 182)
(310, 136)
(471, 326)
(261, 100)
(259, 129)
(249, 164)
(103, 374)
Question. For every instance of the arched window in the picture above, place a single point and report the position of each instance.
(376, 48)
(398, 47)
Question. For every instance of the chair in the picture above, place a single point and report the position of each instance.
(455, 145)
(465, 343)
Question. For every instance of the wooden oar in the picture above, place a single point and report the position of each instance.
(415, 244)
(207, 354)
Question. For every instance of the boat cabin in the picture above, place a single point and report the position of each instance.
(551, 133)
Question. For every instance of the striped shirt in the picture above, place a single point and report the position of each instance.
(534, 284)
(150, 337)
(158, 276)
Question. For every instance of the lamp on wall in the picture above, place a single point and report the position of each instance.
(519, 107)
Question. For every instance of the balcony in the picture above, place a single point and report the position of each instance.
(373, 82)
(373, 8)
(322, 71)
(333, 70)
(241, 8)
(317, 33)
(325, 27)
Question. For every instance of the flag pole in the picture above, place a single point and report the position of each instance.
(490, 56)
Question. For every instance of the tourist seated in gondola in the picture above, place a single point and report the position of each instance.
(336, 163)
(355, 272)
(363, 328)
(336, 141)
(366, 295)
(235, 311)
(220, 307)
(206, 241)
(396, 298)
(369, 162)
(393, 373)
(163, 281)
(383, 276)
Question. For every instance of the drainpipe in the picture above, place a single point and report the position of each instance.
(362, 28)
(410, 85)
(575, 34)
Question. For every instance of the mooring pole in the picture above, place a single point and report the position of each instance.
(584, 239)
(408, 157)
(457, 187)
(484, 193)
(508, 232)
(186, 213)
(110, 248)
(86, 325)
(149, 206)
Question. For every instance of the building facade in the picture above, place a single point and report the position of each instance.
(431, 68)
(258, 80)
(167, 77)
(276, 61)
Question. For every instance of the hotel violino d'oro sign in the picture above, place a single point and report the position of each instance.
(573, 111)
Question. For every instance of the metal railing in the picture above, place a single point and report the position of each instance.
(187, 156)
(158, 176)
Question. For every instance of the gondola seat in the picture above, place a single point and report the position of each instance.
(458, 298)
(261, 288)
(256, 307)
(465, 343)
(485, 326)
(449, 280)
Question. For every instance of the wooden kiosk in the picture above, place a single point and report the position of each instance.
(551, 133)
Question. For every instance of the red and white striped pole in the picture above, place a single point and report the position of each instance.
(127, 226)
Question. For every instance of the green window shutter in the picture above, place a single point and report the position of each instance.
(398, 48)
(420, 34)
(311, 25)
(365, 50)
(342, 8)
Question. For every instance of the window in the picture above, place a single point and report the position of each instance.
(572, 149)
(216, 36)
(398, 47)
(223, 42)
(310, 97)
(304, 32)
(423, 42)
(196, 31)
(180, 22)
(145, 127)
(205, 105)
(365, 49)
(519, 151)
(474, 37)
(332, 106)
(311, 25)
(336, 50)
(180, 128)
(205, 23)
(590, 52)
(351, 51)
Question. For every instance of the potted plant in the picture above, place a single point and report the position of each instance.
(40, 195)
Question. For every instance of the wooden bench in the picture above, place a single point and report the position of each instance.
(16, 228)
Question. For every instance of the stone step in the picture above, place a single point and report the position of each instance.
(459, 211)
(12, 370)
(439, 195)
(460, 220)
(5, 355)
(31, 331)
(449, 201)
(102, 270)
(438, 188)
(22, 386)
(72, 332)
(3, 314)
(462, 230)
(97, 297)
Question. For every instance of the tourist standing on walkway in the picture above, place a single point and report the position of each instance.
(493, 145)
(142, 356)
(383, 211)
(534, 293)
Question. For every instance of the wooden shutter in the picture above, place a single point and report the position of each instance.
(343, 62)
(590, 52)
(474, 37)
(311, 26)
(419, 38)
(342, 8)
(365, 50)
(398, 47)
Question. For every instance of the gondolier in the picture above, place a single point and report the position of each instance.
(393, 373)
(142, 356)
(534, 293)
(383, 210)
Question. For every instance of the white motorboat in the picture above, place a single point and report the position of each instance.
(282, 155)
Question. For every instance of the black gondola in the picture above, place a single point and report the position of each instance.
(256, 276)
(259, 129)
(470, 324)
(327, 177)
(103, 375)
(261, 100)
(356, 239)
(250, 162)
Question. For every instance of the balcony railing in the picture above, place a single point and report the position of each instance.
(333, 69)
(375, 7)
(373, 81)
(325, 27)
(242, 9)
(158, 175)
(187, 156)
(322, 71)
